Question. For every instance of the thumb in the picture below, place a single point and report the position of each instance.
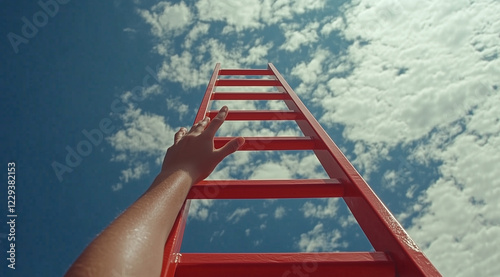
(230, 147)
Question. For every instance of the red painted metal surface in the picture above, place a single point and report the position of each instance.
(173, 245)
(249, 96)
(174, 241)
(397, 254)
(271, 143)
(285, 264)
(245, 72)
(247, 83)
(259, 115)
(380, 226)
(266, 189)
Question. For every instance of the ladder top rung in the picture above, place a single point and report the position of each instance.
(267, 189)
(245, 72)
(259, 115)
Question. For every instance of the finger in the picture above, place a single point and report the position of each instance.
(200, 126)
(178, 136)
(230, 147)
(217, 122)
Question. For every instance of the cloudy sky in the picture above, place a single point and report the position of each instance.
(93, 91)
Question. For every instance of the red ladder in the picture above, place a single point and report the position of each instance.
(395, 252)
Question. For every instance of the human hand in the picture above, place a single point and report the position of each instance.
(193, 151)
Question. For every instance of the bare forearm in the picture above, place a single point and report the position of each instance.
(133, 243)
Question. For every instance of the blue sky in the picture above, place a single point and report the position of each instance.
(408, 90)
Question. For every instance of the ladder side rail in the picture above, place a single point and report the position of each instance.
(209, 92)
(380, 226)
(174, 241)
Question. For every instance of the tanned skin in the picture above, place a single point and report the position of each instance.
(132, 245)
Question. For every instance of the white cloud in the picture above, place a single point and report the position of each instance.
(270, 165)
(279, 212)
(462, 213)
(400, 179)
(237, 214)
(199, 208)
(304, 165)
(150, 91)
(335, 24)
(143, 133)
(312, 75)
(368, 155)
(257, 54)
(217, 234)
(309, 72)
(253, 14)
(414, 78)
(166, 19)
(277, 11)
(144, 136)
(390, 179)
(297, 36)
(407, 80)
(134, 173)
(347, 221)
(181, 68)
(321, 211)
(130, 30)
(193, 68)
(177, 107)
(319, 240)
(195, 33)
(139, 93)
(117, 187)
(239, 15)
(271, 170)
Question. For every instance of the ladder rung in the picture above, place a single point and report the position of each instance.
(272, 143)
(247, 82)
(266, 189)
(285, 264)
(247, 72)
(249, 96)
(259, 115)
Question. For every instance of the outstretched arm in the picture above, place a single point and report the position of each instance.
(132, 245)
